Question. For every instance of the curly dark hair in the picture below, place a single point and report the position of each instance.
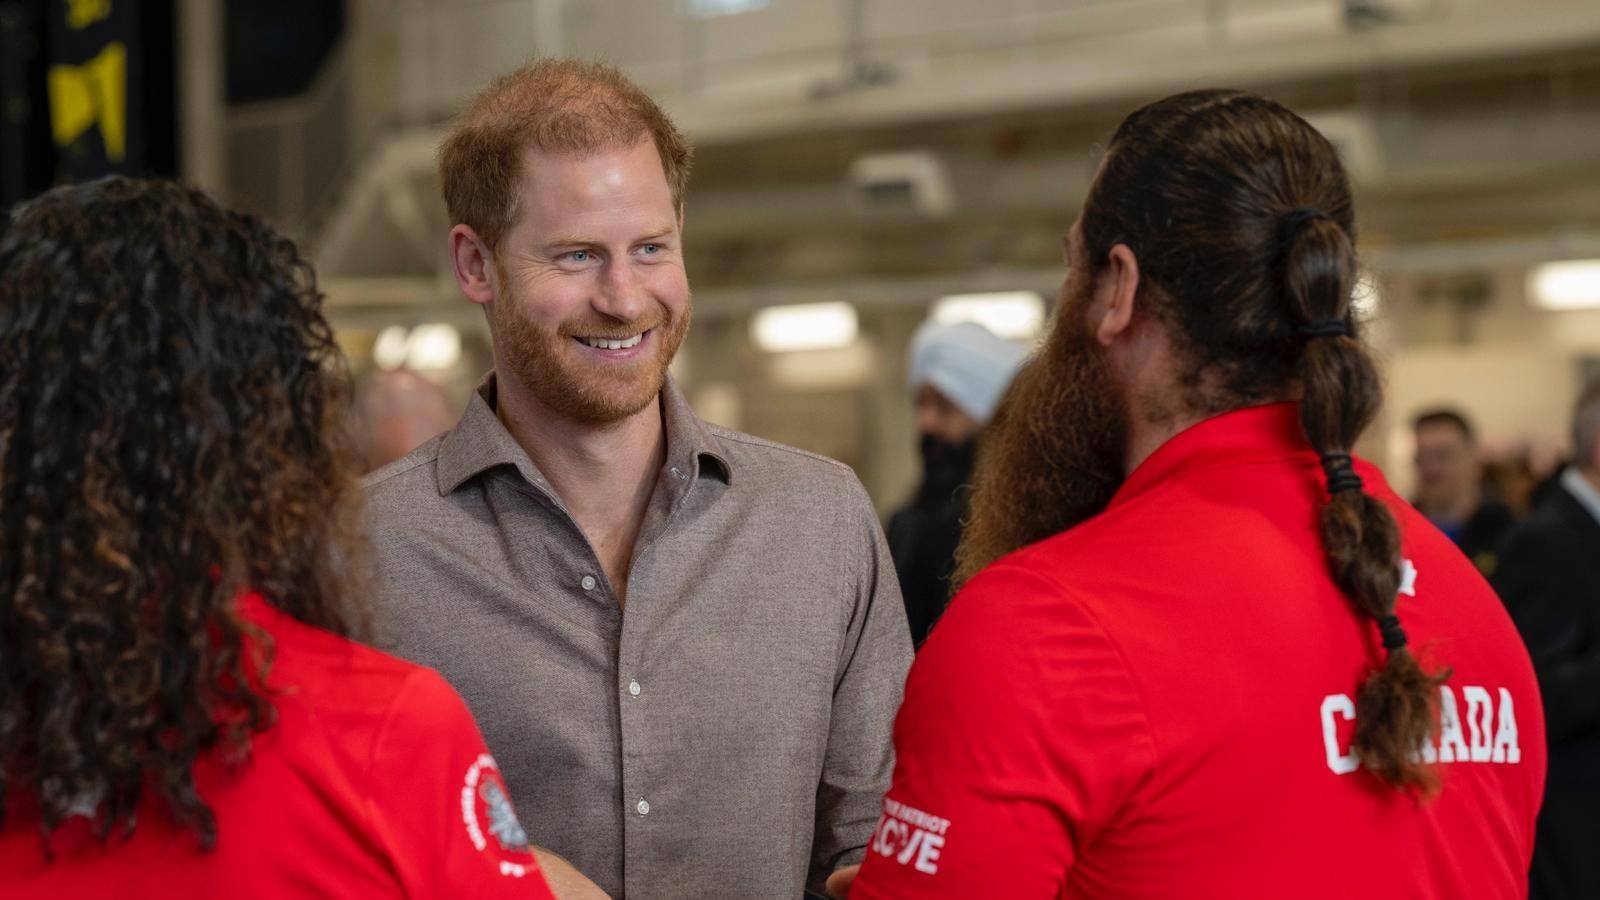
(171, 401)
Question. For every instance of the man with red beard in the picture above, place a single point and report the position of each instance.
(1201, 650)
(685, 645)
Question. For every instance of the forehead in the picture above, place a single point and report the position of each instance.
(601, 184)
(1440, 433)
(927, 393)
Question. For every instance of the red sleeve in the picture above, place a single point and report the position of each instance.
(438, 804)
(1020, 738)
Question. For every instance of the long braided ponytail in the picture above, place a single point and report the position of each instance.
(1241, 217)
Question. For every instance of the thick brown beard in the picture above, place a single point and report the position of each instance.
(1053, 456)
(535, 357)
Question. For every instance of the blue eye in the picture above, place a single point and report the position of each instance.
(651, 248)
(579, 256)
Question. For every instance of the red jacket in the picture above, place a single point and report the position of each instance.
(1160, 702)
(373, 783)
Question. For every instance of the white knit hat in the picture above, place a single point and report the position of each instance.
(966, 362)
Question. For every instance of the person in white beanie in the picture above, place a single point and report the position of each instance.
(958, 373)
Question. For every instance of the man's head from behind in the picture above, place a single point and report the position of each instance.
(395, 413)
(566, 183)
(1449, 469)
(1218, 228)
(1211, 269)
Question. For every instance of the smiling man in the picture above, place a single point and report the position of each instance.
(685, 645)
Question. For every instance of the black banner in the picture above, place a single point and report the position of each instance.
(96, 88)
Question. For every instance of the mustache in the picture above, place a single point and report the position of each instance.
(612, 329)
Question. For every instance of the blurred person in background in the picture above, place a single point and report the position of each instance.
(1450, 487)
(685, 644)
(183, 710)
(958, 373)
(1201, 650)
(1512, 478)
(1549, 578)
(397, 411)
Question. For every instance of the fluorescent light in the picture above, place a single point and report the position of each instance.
(838, 369)
(804, 326)
(1013, 315)
(425, 347)
(1574, 284)
(434, 347)
(710, 9)
(389, 350)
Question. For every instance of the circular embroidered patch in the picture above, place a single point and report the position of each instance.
(486, 807)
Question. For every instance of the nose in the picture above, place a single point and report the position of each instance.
(621, 293)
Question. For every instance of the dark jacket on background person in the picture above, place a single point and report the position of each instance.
(1482, 536)
(1549, 578)
(923, 534)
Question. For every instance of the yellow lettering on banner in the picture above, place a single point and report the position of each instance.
(83, 13)
(95, 92)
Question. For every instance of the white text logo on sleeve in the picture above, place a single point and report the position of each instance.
(486, 806)
(910, 836)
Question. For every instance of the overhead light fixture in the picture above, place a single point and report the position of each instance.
(428, 347)
(389, 350)
(1573, 284)
(710, 9)
(1015, 315)
(805, 326)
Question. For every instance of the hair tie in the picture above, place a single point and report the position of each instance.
(1324, 328)
(1394, 637)
(1341, 473)
(1289, 224)
(1294, 218)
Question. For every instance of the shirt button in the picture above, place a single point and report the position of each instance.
(643, 807)
(676, 472)
(588, 582)
(633, 687)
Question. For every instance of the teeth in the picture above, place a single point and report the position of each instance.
(605, 344)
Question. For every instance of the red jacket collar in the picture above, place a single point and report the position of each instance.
(1255, 432)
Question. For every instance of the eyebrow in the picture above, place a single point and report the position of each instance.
(572, 241)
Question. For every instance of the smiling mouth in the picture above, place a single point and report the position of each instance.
(612, 344)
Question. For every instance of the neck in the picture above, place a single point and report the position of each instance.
(1146, 433)
(604, 474)
(1153, 390)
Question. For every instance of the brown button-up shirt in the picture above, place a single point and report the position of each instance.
(727, 734)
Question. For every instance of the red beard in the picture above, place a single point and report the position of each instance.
(548, 363)
(1054, 455)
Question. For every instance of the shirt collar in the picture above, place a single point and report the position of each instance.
(1582, 491)
(480, 442)
(1266, 431)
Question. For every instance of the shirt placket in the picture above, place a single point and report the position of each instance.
(639, 702)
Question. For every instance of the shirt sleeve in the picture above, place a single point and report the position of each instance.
(1020, 739)
(438, 804)
(867, 690)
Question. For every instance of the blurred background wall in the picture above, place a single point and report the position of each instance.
(861, 162)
